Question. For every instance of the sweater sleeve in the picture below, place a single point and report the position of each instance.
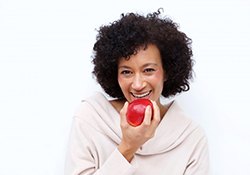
(81, 158)
(199, 162)
(116, 164)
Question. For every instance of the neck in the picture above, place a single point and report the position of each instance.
(164, 109)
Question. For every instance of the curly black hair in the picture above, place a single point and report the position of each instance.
(124, 37)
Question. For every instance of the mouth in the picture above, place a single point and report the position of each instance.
(141, 95)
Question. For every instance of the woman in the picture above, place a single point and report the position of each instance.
(138, 57)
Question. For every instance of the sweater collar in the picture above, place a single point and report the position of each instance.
(171, 131)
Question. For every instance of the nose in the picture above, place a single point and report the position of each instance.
(138, 82)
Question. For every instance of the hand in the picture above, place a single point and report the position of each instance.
(134, 137)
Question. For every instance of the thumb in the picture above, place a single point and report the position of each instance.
(123, 113)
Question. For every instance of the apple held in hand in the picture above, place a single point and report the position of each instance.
(136, 111)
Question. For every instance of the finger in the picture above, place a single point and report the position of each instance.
(147, 116)
(156, 116)
(123, 113)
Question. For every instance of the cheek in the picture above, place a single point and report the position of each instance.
(158, 77)
(119, 81)
(122, 83)
(157, 81)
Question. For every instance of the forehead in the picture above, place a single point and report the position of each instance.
(144, 55)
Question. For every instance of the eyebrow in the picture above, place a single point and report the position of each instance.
(126, 67)
(150, 64)
(145, 65)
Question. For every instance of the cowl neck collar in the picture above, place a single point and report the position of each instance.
(172, 130)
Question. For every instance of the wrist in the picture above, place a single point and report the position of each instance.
(126, 151)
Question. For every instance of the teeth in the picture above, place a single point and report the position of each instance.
(141, 95)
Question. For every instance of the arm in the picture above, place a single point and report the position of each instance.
(199, 162)
(134, 137)
(82, 157)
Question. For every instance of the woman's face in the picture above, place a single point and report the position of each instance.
(142, 76)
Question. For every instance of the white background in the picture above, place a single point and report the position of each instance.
(45, 70)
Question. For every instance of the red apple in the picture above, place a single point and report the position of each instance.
(136, 111)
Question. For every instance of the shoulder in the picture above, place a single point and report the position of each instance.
(95, 97)
(91, 103)
(97, 112)
(189, 127)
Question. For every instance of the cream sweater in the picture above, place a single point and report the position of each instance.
(179, 146)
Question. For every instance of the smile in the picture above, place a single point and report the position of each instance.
(141, 95)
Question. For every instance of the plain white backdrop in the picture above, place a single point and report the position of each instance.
(45, 71)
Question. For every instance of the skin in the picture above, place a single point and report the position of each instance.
(141, 76)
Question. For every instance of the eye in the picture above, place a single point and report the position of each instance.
(149, 70)
(125, 72)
